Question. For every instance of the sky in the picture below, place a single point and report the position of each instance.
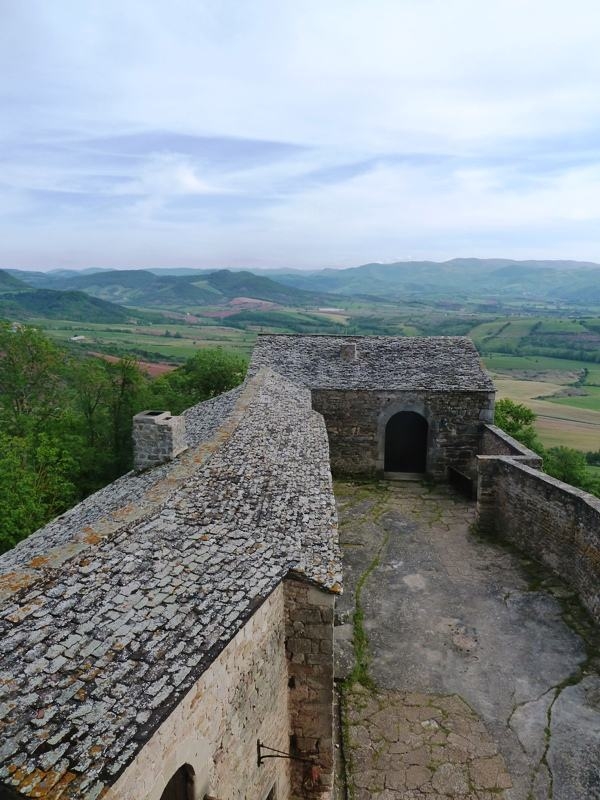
(297, 133)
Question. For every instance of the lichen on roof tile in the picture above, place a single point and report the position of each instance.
(182, 579)
(103, 512)
(434, 363)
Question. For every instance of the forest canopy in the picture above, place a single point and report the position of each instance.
(65, 420)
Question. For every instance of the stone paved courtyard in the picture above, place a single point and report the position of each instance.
(469, 672)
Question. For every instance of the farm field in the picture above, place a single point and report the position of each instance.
(572, 420)
(590, 400)
(560, 421)
(173, 342)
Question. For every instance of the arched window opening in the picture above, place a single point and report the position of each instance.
(181, 785)
(406, 443)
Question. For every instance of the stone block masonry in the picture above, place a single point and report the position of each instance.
(243, 697)
(157, 437)
(309, 648)
(549, 520)
(356, 423)
(99, 654)
(495, 442)
(358, 382)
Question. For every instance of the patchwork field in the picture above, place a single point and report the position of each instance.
(563, 391)
(172, 342)
(570, 421)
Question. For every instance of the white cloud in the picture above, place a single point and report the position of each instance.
(486, 84)
(167, 175)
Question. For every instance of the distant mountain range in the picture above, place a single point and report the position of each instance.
(145, 289)
(460, 279)
(106, 295)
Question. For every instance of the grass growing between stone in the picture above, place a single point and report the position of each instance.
(360, 642)
(354, 495)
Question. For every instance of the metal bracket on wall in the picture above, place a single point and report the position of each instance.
(273, 753)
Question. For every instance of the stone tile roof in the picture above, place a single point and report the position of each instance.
(129, 497)
(435, 363)
(97, 648)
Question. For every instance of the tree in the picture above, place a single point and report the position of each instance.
(36, 484)
(570, 466)
(209, 372)
(517, 420)
(92, 388)
(31, 377)
(126, 395)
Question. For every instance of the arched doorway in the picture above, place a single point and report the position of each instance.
(406, 443)
(181, 785)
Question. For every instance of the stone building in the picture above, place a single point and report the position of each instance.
(391, 405)
(171, 636)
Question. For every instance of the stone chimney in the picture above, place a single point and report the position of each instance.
(157, 437)
(348, 352)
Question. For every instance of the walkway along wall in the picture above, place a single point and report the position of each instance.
(551, 521)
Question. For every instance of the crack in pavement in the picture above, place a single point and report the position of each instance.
(430, 571)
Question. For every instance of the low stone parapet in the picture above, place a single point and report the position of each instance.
(551, 521)
(496, 442)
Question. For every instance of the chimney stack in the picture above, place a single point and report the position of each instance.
(157, 437)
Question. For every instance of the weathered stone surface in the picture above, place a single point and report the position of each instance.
(136, 616)
(437, 363)
(494, 654)
(309, 634)
(356, 423)
(573, 755)
(157, 437)
(430, 765)
(242, 698)
(359, 382)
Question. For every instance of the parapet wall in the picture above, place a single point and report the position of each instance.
(495, 442)
(553, 522)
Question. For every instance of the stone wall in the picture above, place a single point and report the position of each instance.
(495, 442)
(549, 520)
(356, 421)
(274, 683)
(309, 647)
(242, 697)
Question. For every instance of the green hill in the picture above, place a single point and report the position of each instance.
(142, 288)
(247, 284)
(52, 304)
(8, 283)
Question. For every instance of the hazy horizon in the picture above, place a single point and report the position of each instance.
(285, 135)
(574, 262)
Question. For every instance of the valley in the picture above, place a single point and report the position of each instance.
(536, 324)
